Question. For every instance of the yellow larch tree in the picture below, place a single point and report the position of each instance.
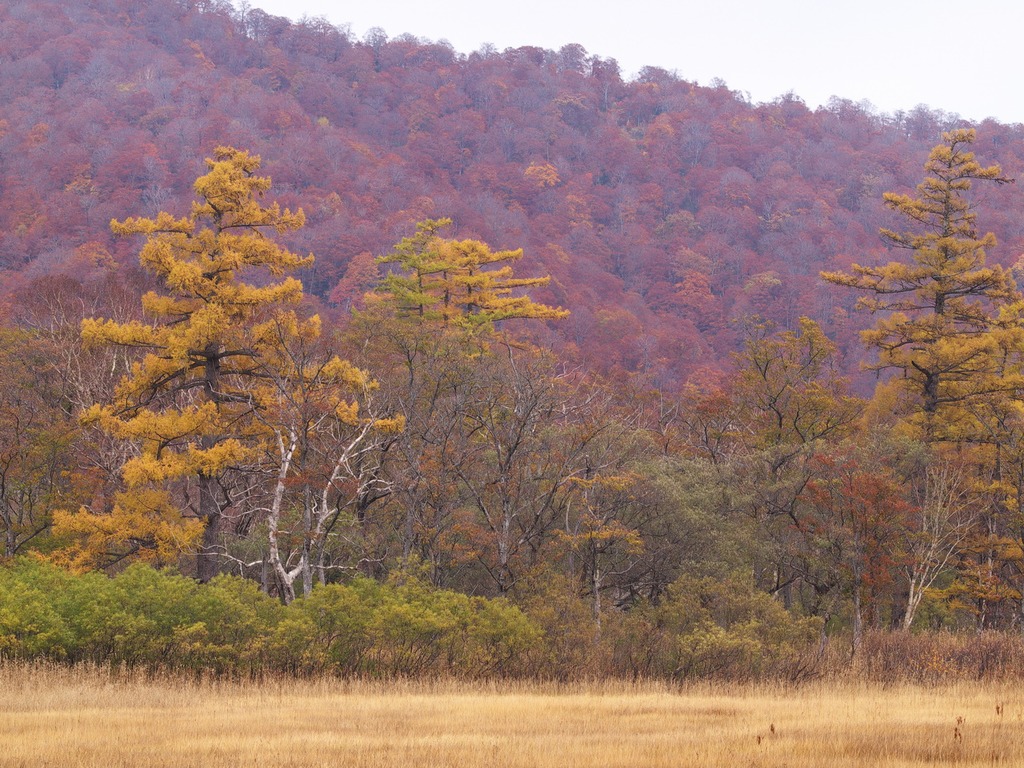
(191, 399)
(940, 320)
(950, 326)
(462, 282)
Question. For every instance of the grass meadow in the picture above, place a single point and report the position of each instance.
(57, 716)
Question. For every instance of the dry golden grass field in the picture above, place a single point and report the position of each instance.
(55, 717)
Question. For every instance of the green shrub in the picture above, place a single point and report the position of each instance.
(161, 620)
(327, 630)
(405, 629)
(31, 626)
(724, 629)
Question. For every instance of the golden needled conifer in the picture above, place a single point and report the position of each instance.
(940, 320)
(461, 282)
(190, 400)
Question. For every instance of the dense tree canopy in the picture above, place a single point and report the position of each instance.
(663, 211)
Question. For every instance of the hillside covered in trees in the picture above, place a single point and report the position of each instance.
(665, 212)
(456, 343)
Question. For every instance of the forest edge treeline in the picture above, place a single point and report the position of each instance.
(227, 434)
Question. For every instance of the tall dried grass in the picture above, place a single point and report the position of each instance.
(56, 716)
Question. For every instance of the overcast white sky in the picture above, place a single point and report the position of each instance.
(962, 57)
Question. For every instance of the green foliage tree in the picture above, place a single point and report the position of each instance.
(791, 403)
(790, 389)
(477, 477)
(725, 628)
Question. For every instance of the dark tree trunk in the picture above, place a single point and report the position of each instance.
(209, 509)
(209, 512)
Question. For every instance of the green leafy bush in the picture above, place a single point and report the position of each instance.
(31, 624)
(161, 620)
(403, 629)
(725, 629)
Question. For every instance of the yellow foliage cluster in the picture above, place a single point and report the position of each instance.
(542, 174)
(452, 280)
(216, 365)
(143, 524)
(948, 317)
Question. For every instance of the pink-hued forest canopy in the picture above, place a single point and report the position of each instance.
(665, 212)
(873, 51)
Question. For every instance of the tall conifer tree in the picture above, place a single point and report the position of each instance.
(190, 400)
(941, 311)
